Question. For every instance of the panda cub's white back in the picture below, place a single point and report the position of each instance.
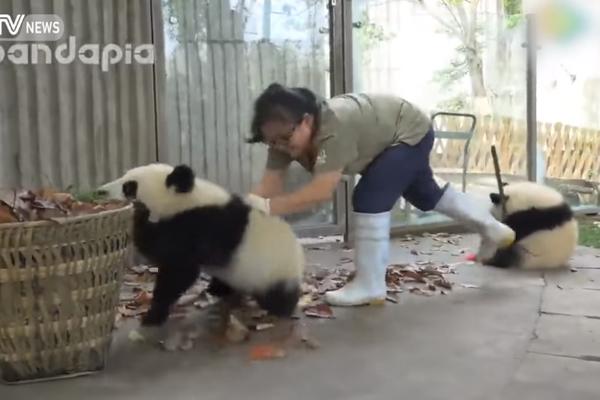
(269, 252)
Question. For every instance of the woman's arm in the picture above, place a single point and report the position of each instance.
(271, 183)
(320, 189)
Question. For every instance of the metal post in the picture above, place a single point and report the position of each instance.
(336, 40)
(532, 48)
(343, 83)
(267, 20)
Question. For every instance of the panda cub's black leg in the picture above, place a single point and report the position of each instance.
(504, 258)
(218, 288)
(171, 283)
(280, 299)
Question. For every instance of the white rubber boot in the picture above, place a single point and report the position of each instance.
(371, 255)
(464, 208)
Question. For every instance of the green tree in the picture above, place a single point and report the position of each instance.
(460, 20)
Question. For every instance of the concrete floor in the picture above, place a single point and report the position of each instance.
(516, 335)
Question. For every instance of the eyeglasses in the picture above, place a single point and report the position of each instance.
(282, 140)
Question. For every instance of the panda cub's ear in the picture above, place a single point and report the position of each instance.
(495, 197)
(182, 177)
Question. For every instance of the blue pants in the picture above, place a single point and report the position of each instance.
(401, 170)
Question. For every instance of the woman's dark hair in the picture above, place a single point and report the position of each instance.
(279, 103)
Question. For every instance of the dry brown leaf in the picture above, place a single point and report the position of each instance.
(469, 286)
(328, 284)
(6, 214)
(443, 283)
(187, 299)
(305, 301)
(415, 276)
(204, 300)
(66, 199)
(417, 290)
(394, 289)
(142, 298)
(319, 311)
(132, 312)
(139, 269)
(263, 327)
(236, 332)
(393, 298)
(45, 193)
(126, 297)
(431, 271)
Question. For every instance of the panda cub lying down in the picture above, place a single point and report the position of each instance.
(183, 224)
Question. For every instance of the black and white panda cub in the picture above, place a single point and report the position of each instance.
(546, 229)
(183, 224)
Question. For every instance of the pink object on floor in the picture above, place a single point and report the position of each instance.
(471, 257)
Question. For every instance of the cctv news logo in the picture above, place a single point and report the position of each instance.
(51, 28)
(36, 25)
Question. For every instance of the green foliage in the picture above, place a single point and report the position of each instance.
(370, 34)
(85, 196)
(589, 233)
(448, 77)
(513, 9)
(512, 21)
(455, 103)
(453, 3)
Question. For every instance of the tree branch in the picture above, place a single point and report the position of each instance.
(440, 20)
(445, 3)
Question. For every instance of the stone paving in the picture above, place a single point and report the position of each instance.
(497, 335)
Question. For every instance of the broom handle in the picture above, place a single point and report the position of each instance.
(499, 180)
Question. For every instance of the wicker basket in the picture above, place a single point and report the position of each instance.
(59, 288)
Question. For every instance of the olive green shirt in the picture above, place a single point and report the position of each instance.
(355, 128)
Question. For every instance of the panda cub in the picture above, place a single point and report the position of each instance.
(183, 224)
(546, 229)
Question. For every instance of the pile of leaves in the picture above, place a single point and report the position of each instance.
(242, 322)
(423, 278)
(136, 296)
(48, 204)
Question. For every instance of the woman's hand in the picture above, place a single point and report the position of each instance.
(258, 202)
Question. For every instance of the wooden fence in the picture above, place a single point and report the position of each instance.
(570, 152)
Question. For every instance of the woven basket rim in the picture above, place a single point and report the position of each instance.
(64, 220)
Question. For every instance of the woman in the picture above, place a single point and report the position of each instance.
(383, 138)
